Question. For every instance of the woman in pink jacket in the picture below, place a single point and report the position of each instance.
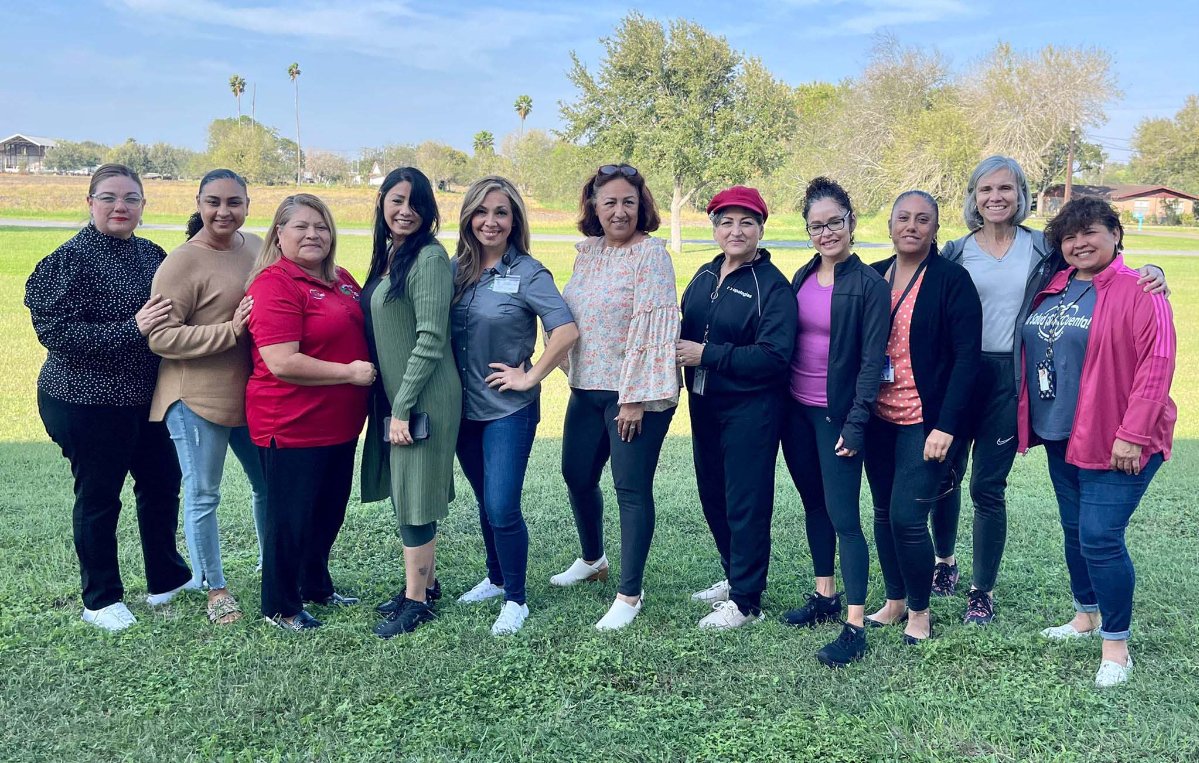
(1095, 337)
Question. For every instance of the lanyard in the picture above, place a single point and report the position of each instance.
(911, 283)
(1058, 324)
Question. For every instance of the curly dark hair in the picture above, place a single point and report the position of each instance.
(1077, 215)
(825, 188)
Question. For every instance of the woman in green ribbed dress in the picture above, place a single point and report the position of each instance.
(406, 301)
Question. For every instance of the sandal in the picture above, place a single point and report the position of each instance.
(222, 610)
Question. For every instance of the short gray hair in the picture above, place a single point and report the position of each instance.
(970, 213)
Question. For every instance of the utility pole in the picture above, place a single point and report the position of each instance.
(1069, 169)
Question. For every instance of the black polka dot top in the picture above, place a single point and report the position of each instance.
(82, 298)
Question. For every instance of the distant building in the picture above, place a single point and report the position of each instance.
(1155, 202)
(24, 153)
(376, 176)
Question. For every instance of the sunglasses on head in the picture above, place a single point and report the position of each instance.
(627, 170)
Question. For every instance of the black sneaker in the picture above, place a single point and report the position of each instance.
(336, 599)
(301, 622)
(980, 610)
(410, 616)
(818, 609)
(432, 596)
(945, 579)
(849, 646)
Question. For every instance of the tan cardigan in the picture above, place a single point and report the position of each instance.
(203, 363)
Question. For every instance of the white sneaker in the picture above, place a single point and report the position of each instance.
(1067, 632)
(620, 614)
(512, 618)
(483, 591)
(726, 615)
(718, 592)
(581, 571)
(1112, 673)
(159, 599)
(114, 617)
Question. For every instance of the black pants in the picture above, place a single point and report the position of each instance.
(904, 487)
(831, 489)
(993, 433)
(735, 443)
(307, 491)
(104, 444)
(589, 439)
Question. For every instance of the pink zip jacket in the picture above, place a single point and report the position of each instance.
(1126, 372)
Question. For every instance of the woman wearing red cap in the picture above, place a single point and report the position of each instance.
(738, 330)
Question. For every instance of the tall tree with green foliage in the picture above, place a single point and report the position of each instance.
(69, 156)
(484, 142)
(251, 149)
(293, 72)
(237, 84)
(679, 101)
(523, 106)
(1167, 150)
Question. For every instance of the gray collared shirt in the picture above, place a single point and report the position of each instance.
(496, 322)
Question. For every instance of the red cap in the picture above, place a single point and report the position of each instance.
(739, 196)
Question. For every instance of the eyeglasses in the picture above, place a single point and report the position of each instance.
(834, 225)
(110, 198)
(627, 170)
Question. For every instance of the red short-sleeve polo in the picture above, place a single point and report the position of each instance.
(292, 306)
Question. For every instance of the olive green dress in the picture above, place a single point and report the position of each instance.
(411, 337)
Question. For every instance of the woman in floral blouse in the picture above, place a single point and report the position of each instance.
(623, 383)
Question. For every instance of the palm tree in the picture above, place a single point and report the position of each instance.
(484, 142)
(523, 105)
(237, 84)
(293, 71)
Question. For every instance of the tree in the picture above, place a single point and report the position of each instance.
(132, 154)
(484, 142)
(1166, 151)
(251, 149)
(523, 105)
(169, 161)
(444, 165)
(237, 84)
(683, 103)
(327, 167)
(68, 156)
(293, 72)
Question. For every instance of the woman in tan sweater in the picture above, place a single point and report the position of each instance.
(201, 387)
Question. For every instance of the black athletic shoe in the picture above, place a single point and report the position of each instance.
(432, 595)
(410, 616)
(818, 609)
(980, 610)
(301, 622)
(336, 599)
(849, 646)
(945, 579)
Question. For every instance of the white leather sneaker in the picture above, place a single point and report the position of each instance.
(581, 571)
(1067, 632)
(159, 599)
(726, 615)
(718, 592)
(1112, 673)
(483, 591)
(114, 617)
(512, 619)
(620, 614)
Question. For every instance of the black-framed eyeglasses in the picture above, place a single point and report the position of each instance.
(627, 170)
(834, 225)
(132, 199)
(953, 486)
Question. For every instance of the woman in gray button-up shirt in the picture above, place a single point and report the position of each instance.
(499, 293)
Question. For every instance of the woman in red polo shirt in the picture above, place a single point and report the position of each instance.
(305, 404)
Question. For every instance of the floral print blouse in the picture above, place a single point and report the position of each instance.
(625, 305)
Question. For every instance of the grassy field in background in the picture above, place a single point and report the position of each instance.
(176, 688)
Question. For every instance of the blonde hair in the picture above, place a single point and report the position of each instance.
(271, 253)
(470, 250)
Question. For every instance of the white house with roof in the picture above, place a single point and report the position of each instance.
(24, 153)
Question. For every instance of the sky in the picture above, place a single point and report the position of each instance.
(376, 72)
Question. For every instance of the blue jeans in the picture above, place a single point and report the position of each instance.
(201, 446)
(1095, 506)
(494, 456)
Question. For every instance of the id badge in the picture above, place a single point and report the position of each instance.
(701, 381)
(506, 284)
(1046, 380)
(888, 374)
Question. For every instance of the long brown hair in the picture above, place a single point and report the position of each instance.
(271, 253)
(470, 250)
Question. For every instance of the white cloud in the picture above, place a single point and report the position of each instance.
(888, 13)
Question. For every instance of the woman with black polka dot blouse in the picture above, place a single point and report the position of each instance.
(91, 308)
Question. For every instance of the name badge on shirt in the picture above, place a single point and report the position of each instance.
(505, 284)
(888, 374)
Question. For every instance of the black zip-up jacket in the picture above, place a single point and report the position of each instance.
(860, 326)
(747, 326)
(946, 341)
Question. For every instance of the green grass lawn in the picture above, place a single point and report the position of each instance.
(176, 688)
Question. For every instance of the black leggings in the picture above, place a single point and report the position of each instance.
(903, 486)
(589, 439)
(830, 487)
(993, 432)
